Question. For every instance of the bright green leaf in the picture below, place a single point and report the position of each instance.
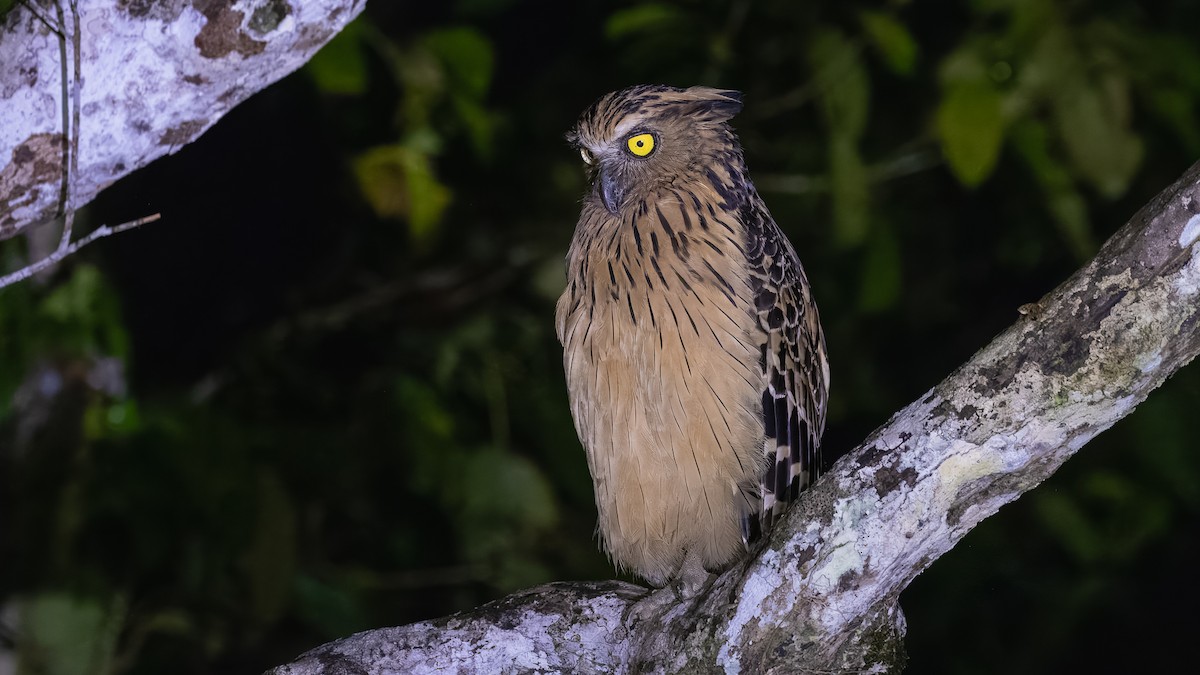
(398, 181)
(639, 18)
(970, 125)
(380, 173)
(428, 198)
(892, 39)
(339, 67)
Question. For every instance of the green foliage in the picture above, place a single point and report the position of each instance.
(893, 41)
(343, 407)
(970, 125)
(1090, 111)
(69, 634)
(445, 75)
(398, 182)
(651, 15)
(881, 273)
(340, 67)
(1065, 202)
(844, 95)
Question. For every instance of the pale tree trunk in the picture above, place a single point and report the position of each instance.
(821, 596)
(152, 76)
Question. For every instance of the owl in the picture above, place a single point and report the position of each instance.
(694, 358)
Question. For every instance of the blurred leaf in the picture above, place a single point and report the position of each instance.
(428, 424)
(270, 560)
(467, 57)
(1163, 423)
(1068, 523)
(849, 188)
(506, 503)
(1093, 123)
(843, 86)
(1067, 206)
(428, 198)
(503, 487)
(963, 65)
(111, 419)
(881, 272)
(340, 67)
(85, 315)
(398, 182)
(971, 128)
(478, 123)
(1070, 213)
(895, 44)
(68, 635)
(1178, 109)
(639, 18)
(74, 300)
(335, 612)
(550, 277)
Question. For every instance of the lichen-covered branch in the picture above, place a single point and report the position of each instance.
(821, 596)
(155, 75)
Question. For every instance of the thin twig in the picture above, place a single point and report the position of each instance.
(63, 251)
(902, 165)
(72, 87)
(71, 168)
(64, 189)
(56, 29)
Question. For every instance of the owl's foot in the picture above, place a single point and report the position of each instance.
(651, 606)
(692, 579)
(689, 581)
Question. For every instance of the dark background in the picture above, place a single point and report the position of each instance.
(323, 394)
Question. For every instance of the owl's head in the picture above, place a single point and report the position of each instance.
(638, 139)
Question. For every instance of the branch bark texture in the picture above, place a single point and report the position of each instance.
(821, 596)
(155, 75)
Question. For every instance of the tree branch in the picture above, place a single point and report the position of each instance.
(161, 73)
(71, 248)
(821, 596)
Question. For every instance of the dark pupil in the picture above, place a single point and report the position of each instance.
(641, 143)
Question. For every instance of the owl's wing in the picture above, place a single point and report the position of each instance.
(795, 372)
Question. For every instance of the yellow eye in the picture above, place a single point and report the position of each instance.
(586, 155)
(641, 145)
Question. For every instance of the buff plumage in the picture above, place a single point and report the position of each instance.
(694, 357)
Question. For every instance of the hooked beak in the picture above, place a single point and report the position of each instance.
(610, 191)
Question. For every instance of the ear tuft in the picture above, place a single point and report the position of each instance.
(717, 104)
